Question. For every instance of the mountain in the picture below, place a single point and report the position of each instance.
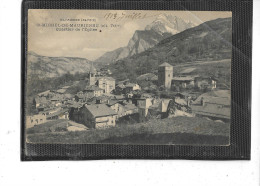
(206, 42)
(162, 27)
(44, 66)
(169, 23)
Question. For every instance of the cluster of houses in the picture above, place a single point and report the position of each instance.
(103, 103)
(183, 81)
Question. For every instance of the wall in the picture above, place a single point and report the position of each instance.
(31, 121)
(104, 122)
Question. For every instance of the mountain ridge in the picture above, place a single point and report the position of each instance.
(206, 42)
(49, 67)
(161, 28)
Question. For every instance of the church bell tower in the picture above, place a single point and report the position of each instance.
(165, 74)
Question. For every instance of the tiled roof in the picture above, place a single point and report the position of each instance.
(99, 110)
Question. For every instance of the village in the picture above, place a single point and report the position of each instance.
(106, 103)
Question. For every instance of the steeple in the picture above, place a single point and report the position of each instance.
(92, 74)
(92, 69)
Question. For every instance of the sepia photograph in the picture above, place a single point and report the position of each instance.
(138, 77)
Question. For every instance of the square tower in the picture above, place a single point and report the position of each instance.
(165, 73)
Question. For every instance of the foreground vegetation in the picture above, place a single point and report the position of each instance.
(184, 125)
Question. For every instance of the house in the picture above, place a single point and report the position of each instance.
(94, 90)
(40, 102)
(74, 104)
(56, 101)
(61, 114)
(143, 105)
(83, 97)
(130, 109)
(94, 116)
(205, 83)
(102, 99)
(213, 104)
(119, 89)
(117, 106)
(131, 87)
(113, 104)
(182, 82)
(107, 84)
(33, 120)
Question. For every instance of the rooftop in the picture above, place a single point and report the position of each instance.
(106, 78)
(112, 102)
(93, 88)
(183, 78)
(217, 104)
(99, 110)
(129, 107)
(122, 86)
(40, 100)
(165, 65)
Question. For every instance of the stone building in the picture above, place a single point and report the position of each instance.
(108, 84)
(165, 74)
(94, 116)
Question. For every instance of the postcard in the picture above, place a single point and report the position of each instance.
(138, 77)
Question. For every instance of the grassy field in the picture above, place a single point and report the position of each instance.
(180, 125)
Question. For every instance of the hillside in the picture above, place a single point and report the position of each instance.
(207, 42)
(177, 130)
(49, 67)
(162, 27)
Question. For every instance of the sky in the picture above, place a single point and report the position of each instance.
(121, 25)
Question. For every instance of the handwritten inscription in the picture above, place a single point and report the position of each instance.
(122, 16)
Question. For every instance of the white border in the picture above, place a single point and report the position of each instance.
(110, 172)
